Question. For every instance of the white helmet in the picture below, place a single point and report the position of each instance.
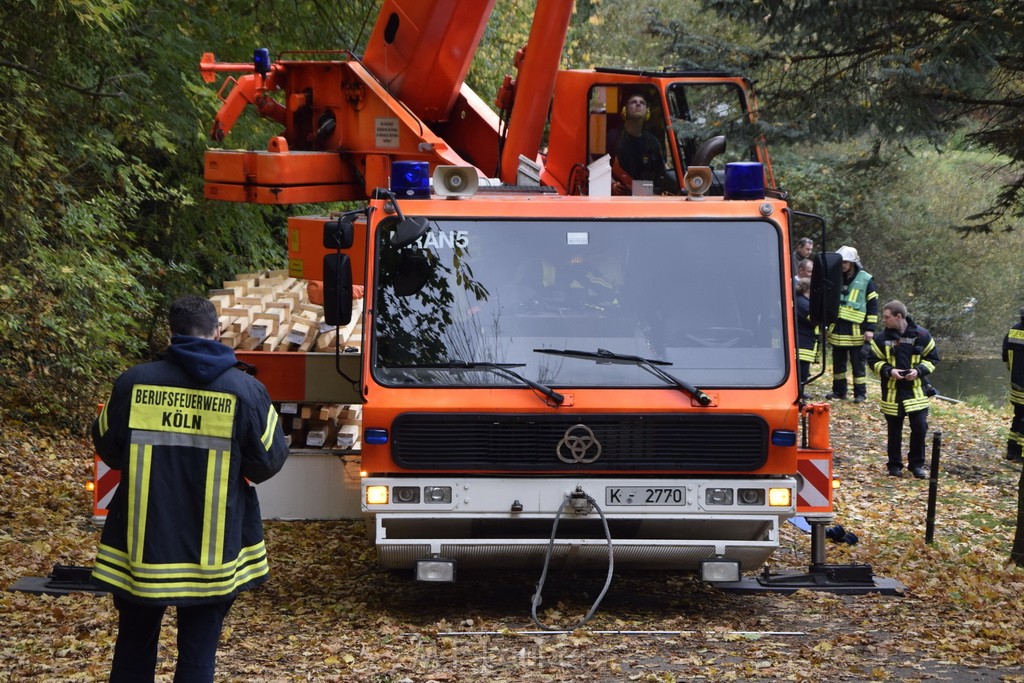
(848, 254)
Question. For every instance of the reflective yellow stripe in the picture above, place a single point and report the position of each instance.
(855, 339)
(809, 355)
(851, 314)
(1016, 334)
(268, 433)
(139, 464)
(112, 568)
(215, 505)
(104, 426)
(912, 405)
(190, 571)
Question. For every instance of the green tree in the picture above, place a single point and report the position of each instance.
(103, 125)
(895, 73)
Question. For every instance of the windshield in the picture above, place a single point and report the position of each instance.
(701, 111)
(704, 296)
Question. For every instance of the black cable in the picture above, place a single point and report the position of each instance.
(536, 599)
(359, 37)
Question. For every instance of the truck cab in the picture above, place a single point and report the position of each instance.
(526, 346)
(695, 116)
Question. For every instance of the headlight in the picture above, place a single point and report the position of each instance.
(718, 496)
(406, 494)
(437, 494)
(751, 496)
(376, 495)
(780, 497)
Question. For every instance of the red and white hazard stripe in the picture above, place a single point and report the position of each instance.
(106, 481)
(815, 491)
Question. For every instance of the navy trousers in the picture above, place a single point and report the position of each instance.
(918, 426)
(138, 634)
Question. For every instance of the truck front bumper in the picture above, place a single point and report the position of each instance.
(508, 522)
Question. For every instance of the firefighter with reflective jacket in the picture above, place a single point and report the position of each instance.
(902, 355)
(858, 313)
(1013, 356)
(184, 526)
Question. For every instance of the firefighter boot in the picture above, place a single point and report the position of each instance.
(838, 392)
(1013, 451)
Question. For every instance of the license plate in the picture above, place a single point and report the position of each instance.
(644, 495)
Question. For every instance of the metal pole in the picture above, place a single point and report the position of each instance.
(817, 542)
(933, 487)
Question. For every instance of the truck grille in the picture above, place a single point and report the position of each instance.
(467, 441)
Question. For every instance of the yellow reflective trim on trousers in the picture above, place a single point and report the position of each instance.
(183, 411)
(215, 507)
(268, 433)
(139, 462)
(1016, 396)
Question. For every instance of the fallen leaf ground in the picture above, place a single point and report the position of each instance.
(329, 615)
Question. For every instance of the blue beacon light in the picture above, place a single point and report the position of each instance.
(410, 179)
(261, 61)
(744, 180)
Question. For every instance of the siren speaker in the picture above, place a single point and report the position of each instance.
(455, 181)
(697, 181)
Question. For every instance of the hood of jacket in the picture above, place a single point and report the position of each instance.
(203, 359)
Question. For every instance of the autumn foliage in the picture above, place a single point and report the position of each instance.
(328, 614)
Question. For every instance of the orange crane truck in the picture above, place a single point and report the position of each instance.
(542, 353)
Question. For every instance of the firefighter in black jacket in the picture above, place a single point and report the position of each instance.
(1013, 356)
(806, 332)
(858, 313)
(184, 525)
(902, 355)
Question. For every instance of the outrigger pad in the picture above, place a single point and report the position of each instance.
(844, 579)
(62, 580)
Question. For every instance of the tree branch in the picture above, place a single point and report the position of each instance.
(63, 84)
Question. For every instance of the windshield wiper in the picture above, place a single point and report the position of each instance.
(503, 369)
(648, 364)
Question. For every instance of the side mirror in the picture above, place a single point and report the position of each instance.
(337, 289)
(338, 234)
(408, 231)
(826, 287)
(708, 150)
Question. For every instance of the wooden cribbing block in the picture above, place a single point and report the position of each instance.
(240, 287)
(325, 340)
(346, 436)
(321, 434)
